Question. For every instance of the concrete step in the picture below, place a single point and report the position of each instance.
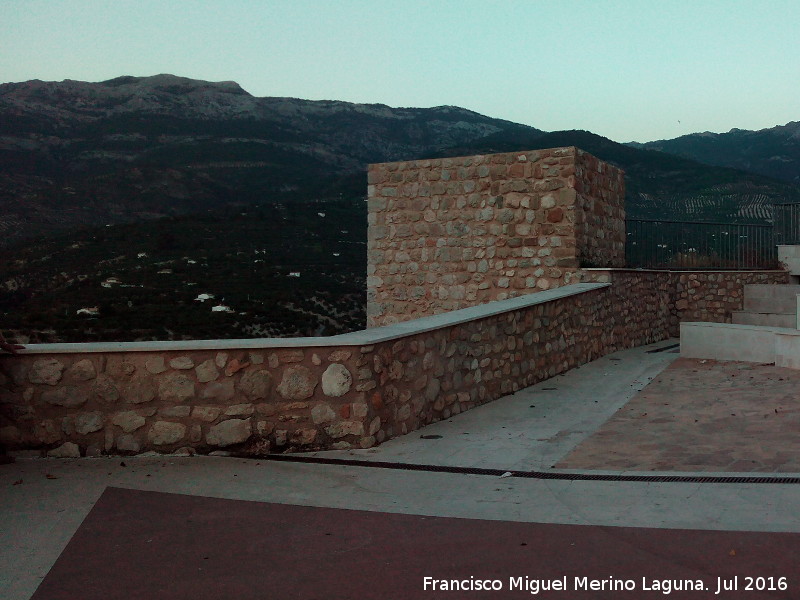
(743, 317)
(731, 341)
(766, 298)
(728, 341)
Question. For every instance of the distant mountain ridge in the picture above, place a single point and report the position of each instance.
(381, 130)
(134, 148)
(773, 152)
(140, 147)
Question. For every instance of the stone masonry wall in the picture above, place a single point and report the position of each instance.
(712, 296)
(127, 402)
(682, 296)
(600, 220)
(641, 303)
(253, 402)
(350, 395)
(449, 233)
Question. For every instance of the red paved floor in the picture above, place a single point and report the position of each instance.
(148, 545)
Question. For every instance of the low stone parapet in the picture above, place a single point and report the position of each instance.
(787, 348)
(685, 296)
(258, 396)
(354, 390)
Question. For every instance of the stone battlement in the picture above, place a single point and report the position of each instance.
(455, 232)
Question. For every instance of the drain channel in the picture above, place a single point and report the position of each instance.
(644, 478)
(664, 349)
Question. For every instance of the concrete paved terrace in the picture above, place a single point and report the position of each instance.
(214, 527)
(702, 415)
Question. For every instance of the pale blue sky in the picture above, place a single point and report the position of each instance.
(627, 69)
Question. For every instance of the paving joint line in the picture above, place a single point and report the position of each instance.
(556, 475)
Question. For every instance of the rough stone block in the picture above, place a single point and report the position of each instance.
(322, 413)
(164, 433)
(129, 421)
(83, 370)
(182, 362)
(128, 443)
(345, 428)
(206, 413)
(155, 365)
(176, 387)
(65, 450)
(140, 389)
(229, 433)
(175, 411)
(206, 371)
(105, 389)
(256, 384)
(88, 422)
(46, 371)
(239, 410)
(336, 380)
(297, 383)
(68, 396)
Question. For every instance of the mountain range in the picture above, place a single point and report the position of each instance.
(133, 148)
(773, 152)
(137, 196)
(141, 147)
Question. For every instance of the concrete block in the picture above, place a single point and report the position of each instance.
(727, 341)
(792, 265)
(789, 257)
(766, 298)
(742, 317)
(788, 251)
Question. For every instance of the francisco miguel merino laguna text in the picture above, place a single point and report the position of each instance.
(536, 586)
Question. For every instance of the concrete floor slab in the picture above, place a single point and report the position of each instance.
(703, 415)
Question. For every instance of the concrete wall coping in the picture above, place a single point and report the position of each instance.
(356, 338)
(778, 330)
(686, 271)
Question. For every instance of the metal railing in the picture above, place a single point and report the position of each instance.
(664, 244)
(786, 217)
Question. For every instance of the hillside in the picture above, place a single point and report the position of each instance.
(271, 272)
(773, 152)
(136, 148)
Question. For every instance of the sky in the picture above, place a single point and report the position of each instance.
(630, 70)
